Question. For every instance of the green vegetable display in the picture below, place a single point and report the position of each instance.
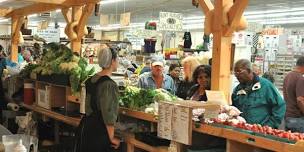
(59, 59)
(139, 99)
(26, 71)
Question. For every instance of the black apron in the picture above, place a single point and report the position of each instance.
(92, 134)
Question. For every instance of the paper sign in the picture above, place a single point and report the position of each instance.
(43, 25)
(142, 33)
(104, 20)
(125, 19)
(112, 19)
(170, 21)
(216, 97)
(175, 122)
(49, 34)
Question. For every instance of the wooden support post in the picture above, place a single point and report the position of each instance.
(221, 56)
(80, 15)
(76, 15)
(17, 21)
(222, 37)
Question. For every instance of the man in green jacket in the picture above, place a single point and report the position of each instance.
(256, 97)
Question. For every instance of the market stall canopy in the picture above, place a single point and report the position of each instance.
(11, 8)
(19, 9)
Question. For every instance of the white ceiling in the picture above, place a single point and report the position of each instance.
(144, 10)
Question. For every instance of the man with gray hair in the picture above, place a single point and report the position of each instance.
(256, 97)
(293, 89)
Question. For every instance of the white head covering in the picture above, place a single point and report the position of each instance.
(105, 58)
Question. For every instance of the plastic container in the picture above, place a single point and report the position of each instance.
(11, 141)
(20, 147)
(28, 93)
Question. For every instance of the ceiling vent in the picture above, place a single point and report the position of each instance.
(45, 15)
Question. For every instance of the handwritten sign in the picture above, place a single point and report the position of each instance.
(170, 21)
(49, 34)
(216, 97)
(175, 122)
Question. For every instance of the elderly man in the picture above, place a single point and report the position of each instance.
(156, 78)
(257, 97)
(293, 89)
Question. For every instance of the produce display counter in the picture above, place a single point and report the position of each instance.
(243, 142)
(236, 141)
(138, 114)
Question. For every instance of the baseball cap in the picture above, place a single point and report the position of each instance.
(157, 61)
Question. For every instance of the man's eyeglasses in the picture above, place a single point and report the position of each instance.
(239, 72)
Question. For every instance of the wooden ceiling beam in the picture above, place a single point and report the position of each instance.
(87, 12)
(235, 13)
(45, 1)
(4, 11)
(44, 7)
(206, 5)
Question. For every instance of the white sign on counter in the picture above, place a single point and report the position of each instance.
(175, 122)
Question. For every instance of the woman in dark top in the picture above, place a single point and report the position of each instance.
(202, 78)
(174, 73)
(103, 98)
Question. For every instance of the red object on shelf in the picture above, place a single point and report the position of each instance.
(28, 90)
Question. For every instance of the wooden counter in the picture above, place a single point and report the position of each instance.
(73, 121)
(138, 114)
(236, 141)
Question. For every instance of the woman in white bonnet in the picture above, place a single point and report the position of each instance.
(102, 104)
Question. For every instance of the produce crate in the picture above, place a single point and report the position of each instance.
(57, 79)
(60, 79)
(44, 78)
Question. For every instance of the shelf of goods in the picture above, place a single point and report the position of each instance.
(284, 64)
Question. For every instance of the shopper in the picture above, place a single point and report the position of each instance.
(174, 73)
(202, 80)
(189, 64)
(256, 97)
(20, 54)
(256, 69)
(293, 89)
(101, 107)
(146, 68)
(3, 102)
(269, 76)
(156, 78)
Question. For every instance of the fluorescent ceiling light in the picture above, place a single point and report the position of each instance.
(32, 15)
(109, 1)
(283, 22)
(4, 20)
(118, 26)
(275, 15)
(274, 11)
(1, 1)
